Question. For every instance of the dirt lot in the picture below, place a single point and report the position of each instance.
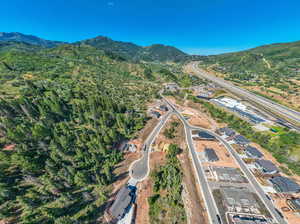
(144, 133)
(196, 208)
(145, 190)
(225, 158)
(192, 198)
(196, 117)
(291, 216)
(162, 142)
(194, 203)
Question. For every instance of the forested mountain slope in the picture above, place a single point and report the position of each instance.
(30, 39)
(126, 50)
(62, 112)
(156, 52)
(272, 70)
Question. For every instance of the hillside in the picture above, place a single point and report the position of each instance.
(30, 39)
(125, 50)
(159, 52)
(271, 70)
(130, 51)
(63, 110)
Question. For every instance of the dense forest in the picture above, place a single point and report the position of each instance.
(64, 137)
(63, 110)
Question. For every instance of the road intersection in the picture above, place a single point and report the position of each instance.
(139, 170)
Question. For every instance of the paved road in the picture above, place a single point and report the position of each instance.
(265, 103)
(209, 201)
(139, 170)
(204, 187)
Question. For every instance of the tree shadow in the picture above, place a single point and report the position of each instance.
(121, 176)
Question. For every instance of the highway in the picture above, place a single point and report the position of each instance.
(209, 201)
(269, 105)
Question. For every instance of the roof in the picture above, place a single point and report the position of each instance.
(210, 154)
(251, 117)
(171, 86)
(267, 165)
(227, 131)
(253, 151)
(241, 139)
(155, 113)
(122, 201)
(163, 107)
(284, 184)
(296, 202)
(203, 134)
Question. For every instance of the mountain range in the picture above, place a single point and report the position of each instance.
(126, 50)
(30, 39)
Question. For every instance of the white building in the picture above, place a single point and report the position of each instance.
(231, 103)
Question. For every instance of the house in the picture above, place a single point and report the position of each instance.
(226, 132)
(202, 135)
(123, 201)
(129, 147)
(266, 166)
(163, 108)
(210, 155)
(126, 146)
(205, 95)
(155, 114)
(294, 204)
(253, 152)
(284, 184)
(241, 140)
(173, 87)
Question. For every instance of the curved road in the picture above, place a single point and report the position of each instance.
(209, 201)
(265, 103)
(139, 169)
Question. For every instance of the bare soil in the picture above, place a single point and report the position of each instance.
(225, 159)
(145, 190)
(195, 114)
(196, 212)
(194, 204)
(145, 132)
(290, 215)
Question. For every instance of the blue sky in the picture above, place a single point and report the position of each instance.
(195, 26)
